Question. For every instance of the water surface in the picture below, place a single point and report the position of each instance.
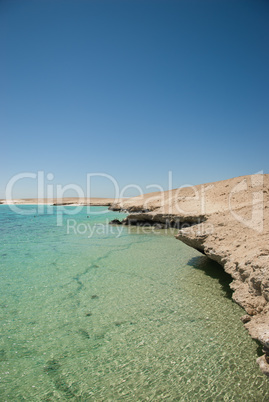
(98, 316)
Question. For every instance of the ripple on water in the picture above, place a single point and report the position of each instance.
(139, 317)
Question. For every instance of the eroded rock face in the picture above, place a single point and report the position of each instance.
(229, 222)
(244, 254)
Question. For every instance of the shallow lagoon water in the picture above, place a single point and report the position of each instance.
(98, 316)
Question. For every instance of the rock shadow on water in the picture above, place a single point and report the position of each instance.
(215, 271)
(52, 366)
(3, 355)
(85, 334)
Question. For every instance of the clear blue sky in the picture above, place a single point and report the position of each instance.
(133, 88)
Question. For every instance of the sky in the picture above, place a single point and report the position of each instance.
(134, 89)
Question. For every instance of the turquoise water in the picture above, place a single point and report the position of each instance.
(106, 316)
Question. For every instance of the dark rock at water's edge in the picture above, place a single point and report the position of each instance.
(115, 222)
(159, 221)
(114, 207)
(132, 208)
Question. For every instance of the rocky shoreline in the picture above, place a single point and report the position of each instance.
(229, 222)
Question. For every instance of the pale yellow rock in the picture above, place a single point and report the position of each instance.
(232, 229)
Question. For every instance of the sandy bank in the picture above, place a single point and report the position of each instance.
(229, 222)
(65, 201)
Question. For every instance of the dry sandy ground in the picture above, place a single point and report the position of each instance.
(228, 221)
(64, 201)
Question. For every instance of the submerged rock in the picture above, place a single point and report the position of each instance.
(52, 366)
(85, 334)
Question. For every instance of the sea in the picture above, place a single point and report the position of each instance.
(96, 312)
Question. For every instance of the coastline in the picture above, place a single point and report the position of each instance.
(68, 201)
(229, 222)
(141, 299)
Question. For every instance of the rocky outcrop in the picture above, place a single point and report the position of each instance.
(161, 220)
(244, 254)
(115, 222)
(229, 222)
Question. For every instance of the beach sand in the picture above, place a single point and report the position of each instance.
(64, 201)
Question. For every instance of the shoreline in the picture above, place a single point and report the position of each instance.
(232, 229)
(67, 201)
(228, 221)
